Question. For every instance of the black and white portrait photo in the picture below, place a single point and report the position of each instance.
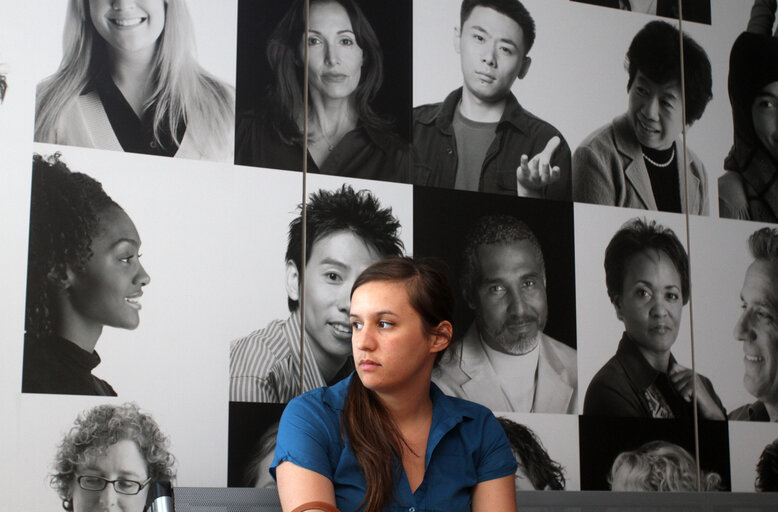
(647, 279)
(745, 189)
(639, 159)
(546, 448)
(88, 456)
(252, 443)
(112, 445)
(348, 228)
(514, 327)
(636, 360)
(693, 10)
(647, 455)
(129, 78)
(83, 273)
(736, 339)
(358, 105)
(753, 448)
(471, 128)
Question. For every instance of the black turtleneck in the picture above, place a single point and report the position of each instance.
(53, 364)
(664, 178)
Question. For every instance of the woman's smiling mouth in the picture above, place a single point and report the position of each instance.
(127, 22)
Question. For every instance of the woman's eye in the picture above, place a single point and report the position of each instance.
(313, 41)
(355, 326)
(642, 292)
(383, 324)
(126, 485)
(673, 297)
(127, 259)
(346, 41)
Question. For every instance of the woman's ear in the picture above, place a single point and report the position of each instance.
(292, 280)
(61, 276)
(441, 338)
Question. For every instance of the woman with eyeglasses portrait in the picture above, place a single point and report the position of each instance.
(108, 459)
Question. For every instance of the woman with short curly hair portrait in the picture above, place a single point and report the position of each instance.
(83, 273)
(108, 459)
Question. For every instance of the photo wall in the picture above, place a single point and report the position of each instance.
(426, 137)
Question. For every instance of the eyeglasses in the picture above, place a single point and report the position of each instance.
(122, 486)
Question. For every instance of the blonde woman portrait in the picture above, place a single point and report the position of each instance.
(129, 81)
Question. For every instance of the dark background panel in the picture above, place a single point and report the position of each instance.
(247, 422)
(693, 10)
(601, 439)
(392, 23)
(442, 218)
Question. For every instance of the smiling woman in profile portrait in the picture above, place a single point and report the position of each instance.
(345, 136)
(83, 273)
(128, 81)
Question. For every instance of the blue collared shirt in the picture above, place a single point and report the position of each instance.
(466, 446)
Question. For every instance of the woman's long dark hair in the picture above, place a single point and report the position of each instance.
(375, 439)
(283, 53)
(64, 216)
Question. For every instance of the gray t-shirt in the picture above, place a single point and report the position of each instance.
(473, 140)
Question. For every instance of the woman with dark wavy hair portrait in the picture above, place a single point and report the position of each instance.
(83, 273)
(345, 136)
(386, 438)
(109, 458)
(129, 81)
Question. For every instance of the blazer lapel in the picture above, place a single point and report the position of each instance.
(634, 167)
(552, 394)
(482, 385)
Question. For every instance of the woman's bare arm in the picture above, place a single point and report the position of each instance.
(498, 495)
(297, 485)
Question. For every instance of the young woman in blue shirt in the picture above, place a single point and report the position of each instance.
(386, 438)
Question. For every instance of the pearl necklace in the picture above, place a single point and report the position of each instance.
(657, 164)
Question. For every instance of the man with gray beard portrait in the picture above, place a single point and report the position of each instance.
(505, 361)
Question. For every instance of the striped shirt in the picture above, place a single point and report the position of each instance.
(264, 366)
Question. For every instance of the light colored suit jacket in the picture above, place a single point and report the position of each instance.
(465, 372)
(608, 168)
(85, 123)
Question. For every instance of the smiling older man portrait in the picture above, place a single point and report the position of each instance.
(757, 328)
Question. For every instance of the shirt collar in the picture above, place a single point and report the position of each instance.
(758, 412)
(443, 406)
(637, 368)
(384, 139)
(444, 116)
